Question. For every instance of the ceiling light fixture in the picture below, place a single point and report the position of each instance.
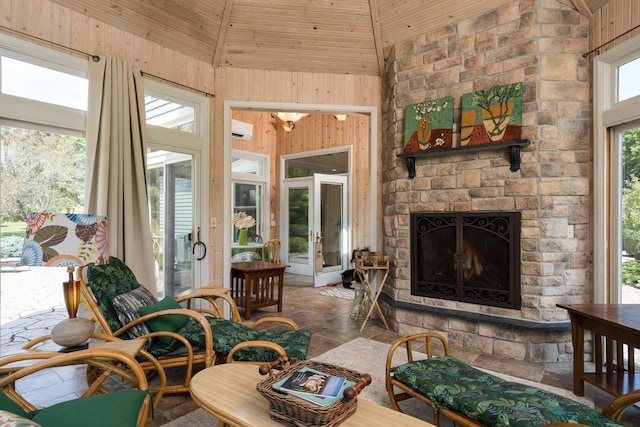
(288, 119)
(288, 126)
(341, 117)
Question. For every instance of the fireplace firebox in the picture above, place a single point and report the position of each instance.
(470, 257)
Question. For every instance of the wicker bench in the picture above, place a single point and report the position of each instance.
(472, 397)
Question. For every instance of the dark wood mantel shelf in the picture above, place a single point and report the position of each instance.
(514, 146)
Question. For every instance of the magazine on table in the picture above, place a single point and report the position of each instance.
(314, 386)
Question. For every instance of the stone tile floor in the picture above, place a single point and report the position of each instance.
(31, 303)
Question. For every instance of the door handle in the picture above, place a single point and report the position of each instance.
(198, 243)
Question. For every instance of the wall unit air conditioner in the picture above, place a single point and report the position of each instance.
(241, 130)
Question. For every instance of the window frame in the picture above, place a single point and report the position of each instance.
(194, 144)
(262, 178)
(37, 112)
(607, 114)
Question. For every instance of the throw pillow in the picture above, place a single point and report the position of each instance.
(108, 280)
(9, 419)
(170, 323)
(126, 306)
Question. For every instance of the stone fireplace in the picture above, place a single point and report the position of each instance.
(467, 256)
(539, 43)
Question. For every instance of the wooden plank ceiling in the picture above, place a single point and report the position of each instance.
(337, 36)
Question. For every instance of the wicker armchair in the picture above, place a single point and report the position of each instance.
(271, 250)
(129, 405)
(178, 334)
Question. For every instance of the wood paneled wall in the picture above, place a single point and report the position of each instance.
(613, 19)
(56, 25)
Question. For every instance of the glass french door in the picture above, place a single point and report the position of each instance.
(178, 250)
(316, 234)
(297, 234)
(625, 210)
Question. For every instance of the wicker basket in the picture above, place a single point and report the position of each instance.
(294, 411)
(371, 260)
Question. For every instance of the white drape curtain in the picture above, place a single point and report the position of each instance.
(116, 167)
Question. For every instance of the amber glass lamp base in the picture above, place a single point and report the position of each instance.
(73, 331)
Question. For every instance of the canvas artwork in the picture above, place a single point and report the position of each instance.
(428, 125)
(492, 115)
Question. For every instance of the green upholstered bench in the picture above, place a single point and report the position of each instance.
(473, 397)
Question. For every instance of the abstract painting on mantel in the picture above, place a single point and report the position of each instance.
(428, 125)
(492, 115)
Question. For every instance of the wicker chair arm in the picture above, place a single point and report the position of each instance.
(213, 295)
(14, 362)
(407, 343)
(273, 319)
(265, 344)
(198, 317)
(112, 362)
(616, 408)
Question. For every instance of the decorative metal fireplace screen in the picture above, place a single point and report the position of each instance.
(468, 256)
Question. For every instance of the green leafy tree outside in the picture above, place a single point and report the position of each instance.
(40, 171)
(631, 205)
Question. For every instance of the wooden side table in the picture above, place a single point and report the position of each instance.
(131, 347)
(31, 353)
(257, 284)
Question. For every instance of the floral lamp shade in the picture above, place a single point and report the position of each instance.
(65, 240)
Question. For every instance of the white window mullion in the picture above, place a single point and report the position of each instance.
(608, 114)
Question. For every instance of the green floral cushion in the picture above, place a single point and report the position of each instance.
(294, 343)
(108, 280)
(227, 334)
(164, 347)
(490, 400)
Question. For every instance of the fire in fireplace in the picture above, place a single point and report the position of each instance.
(467, 256)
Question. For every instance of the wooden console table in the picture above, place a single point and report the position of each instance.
(257, 284)
(616, 325)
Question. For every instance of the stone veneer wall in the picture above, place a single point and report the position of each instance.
(538, 42)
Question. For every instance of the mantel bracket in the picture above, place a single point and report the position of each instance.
(515, 157)
(515, 153)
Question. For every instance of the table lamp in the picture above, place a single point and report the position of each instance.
(67, 240)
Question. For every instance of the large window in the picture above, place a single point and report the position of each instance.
(250, 182)
(617, 174)
(43, 104)
(43, 108)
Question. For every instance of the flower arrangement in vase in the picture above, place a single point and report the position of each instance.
(243, 222)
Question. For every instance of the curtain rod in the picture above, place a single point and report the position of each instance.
(584, 55)
(97, 58)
